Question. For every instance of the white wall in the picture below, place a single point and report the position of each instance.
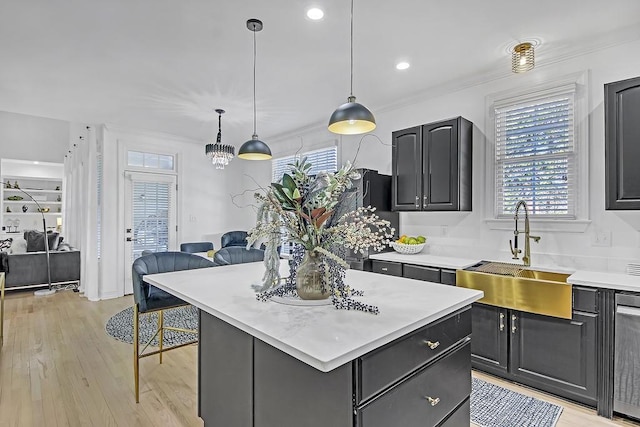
(205, 210)
(32, 138)
(466, 233)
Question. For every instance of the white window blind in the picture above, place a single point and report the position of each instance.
(150, 207)
(536, 156)
(325, 159)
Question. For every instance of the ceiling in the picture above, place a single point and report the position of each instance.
(165, 65)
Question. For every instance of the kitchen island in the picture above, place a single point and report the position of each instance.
(266, 364)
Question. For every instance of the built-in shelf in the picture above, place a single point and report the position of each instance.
(42, 202)
(47, 192)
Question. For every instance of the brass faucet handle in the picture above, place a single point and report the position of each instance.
(535, 238)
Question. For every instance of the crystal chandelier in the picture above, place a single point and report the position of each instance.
(220, 154)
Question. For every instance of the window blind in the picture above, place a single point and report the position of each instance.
(151, 202)
(325, 159)
(535, 156)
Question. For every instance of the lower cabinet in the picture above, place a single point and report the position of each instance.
(417, 272)
(422, 379)
(551, 354)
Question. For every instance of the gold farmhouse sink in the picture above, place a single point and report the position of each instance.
(519, 288)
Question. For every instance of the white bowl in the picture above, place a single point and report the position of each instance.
(403, 248)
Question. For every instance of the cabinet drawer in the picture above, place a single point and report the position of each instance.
(387, 365)
(585, 299)
(460, 417)
(425, 398)
(448, 277)
(387, 267)
(418, 272)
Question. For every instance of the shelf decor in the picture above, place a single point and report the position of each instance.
(301, 208)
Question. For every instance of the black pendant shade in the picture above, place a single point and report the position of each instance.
(254, 149)
(352, 118)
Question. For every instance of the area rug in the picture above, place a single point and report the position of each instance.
(495, 406)
(120, 325)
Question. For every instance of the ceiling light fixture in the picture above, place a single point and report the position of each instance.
(522, 58)
(315, 14)
(352, 118)
(254, 149)
(402, 65)
(220, 154)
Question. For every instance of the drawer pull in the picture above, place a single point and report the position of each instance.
(384, 269)
(432, 401)
(432, 345)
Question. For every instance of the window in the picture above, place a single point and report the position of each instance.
(536, 154)
(149, 160)
(325, 159)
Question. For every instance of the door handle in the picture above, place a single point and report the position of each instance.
(501, 322)
(128, 230)
(128, 239)
(513, 323)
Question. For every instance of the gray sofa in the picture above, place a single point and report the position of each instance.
(30, 268)
(25, 262)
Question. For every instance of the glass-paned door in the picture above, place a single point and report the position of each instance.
(150, 217)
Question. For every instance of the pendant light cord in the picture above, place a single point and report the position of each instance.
(351, 90)
(219, 137)
(254, 81)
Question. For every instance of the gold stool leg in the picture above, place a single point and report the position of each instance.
(161, 329)
(136, 356)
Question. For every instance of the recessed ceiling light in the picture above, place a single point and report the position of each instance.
(315, 14)
(36, 162)
(402, 65)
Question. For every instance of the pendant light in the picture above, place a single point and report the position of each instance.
(254, 149)
(219, 153)
(522, 58)
(352, 118)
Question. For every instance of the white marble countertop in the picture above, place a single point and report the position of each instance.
(426, 260)
(320, 336)
(606, 280)
(617, 281)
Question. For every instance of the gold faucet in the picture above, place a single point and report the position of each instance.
(526, 258)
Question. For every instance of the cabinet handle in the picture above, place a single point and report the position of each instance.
(432, 401)
(424, 200)
(513, 323)
(417, 201)
(501, 322)
(432, 345)
(384, 269)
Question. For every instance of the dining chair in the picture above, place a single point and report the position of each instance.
(149, 299)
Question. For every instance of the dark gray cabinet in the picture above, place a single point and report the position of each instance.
(422, 379)
(412, 271)
(431, 167)
(490, 338)
(556, 355)
(551, 354)
(622, 144)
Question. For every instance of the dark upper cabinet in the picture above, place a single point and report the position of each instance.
(406, 181)
(622, 144)
(431, 167)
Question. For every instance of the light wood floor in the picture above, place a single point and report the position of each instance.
(58, 367)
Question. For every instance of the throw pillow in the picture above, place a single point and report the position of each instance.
(5, 244)
(19, 246)
(35, 240)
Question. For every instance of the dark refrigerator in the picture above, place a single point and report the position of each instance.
(372, 189)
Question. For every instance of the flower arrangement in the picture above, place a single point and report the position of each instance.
(307, 210)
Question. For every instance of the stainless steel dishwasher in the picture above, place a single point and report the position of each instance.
(627, 356)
